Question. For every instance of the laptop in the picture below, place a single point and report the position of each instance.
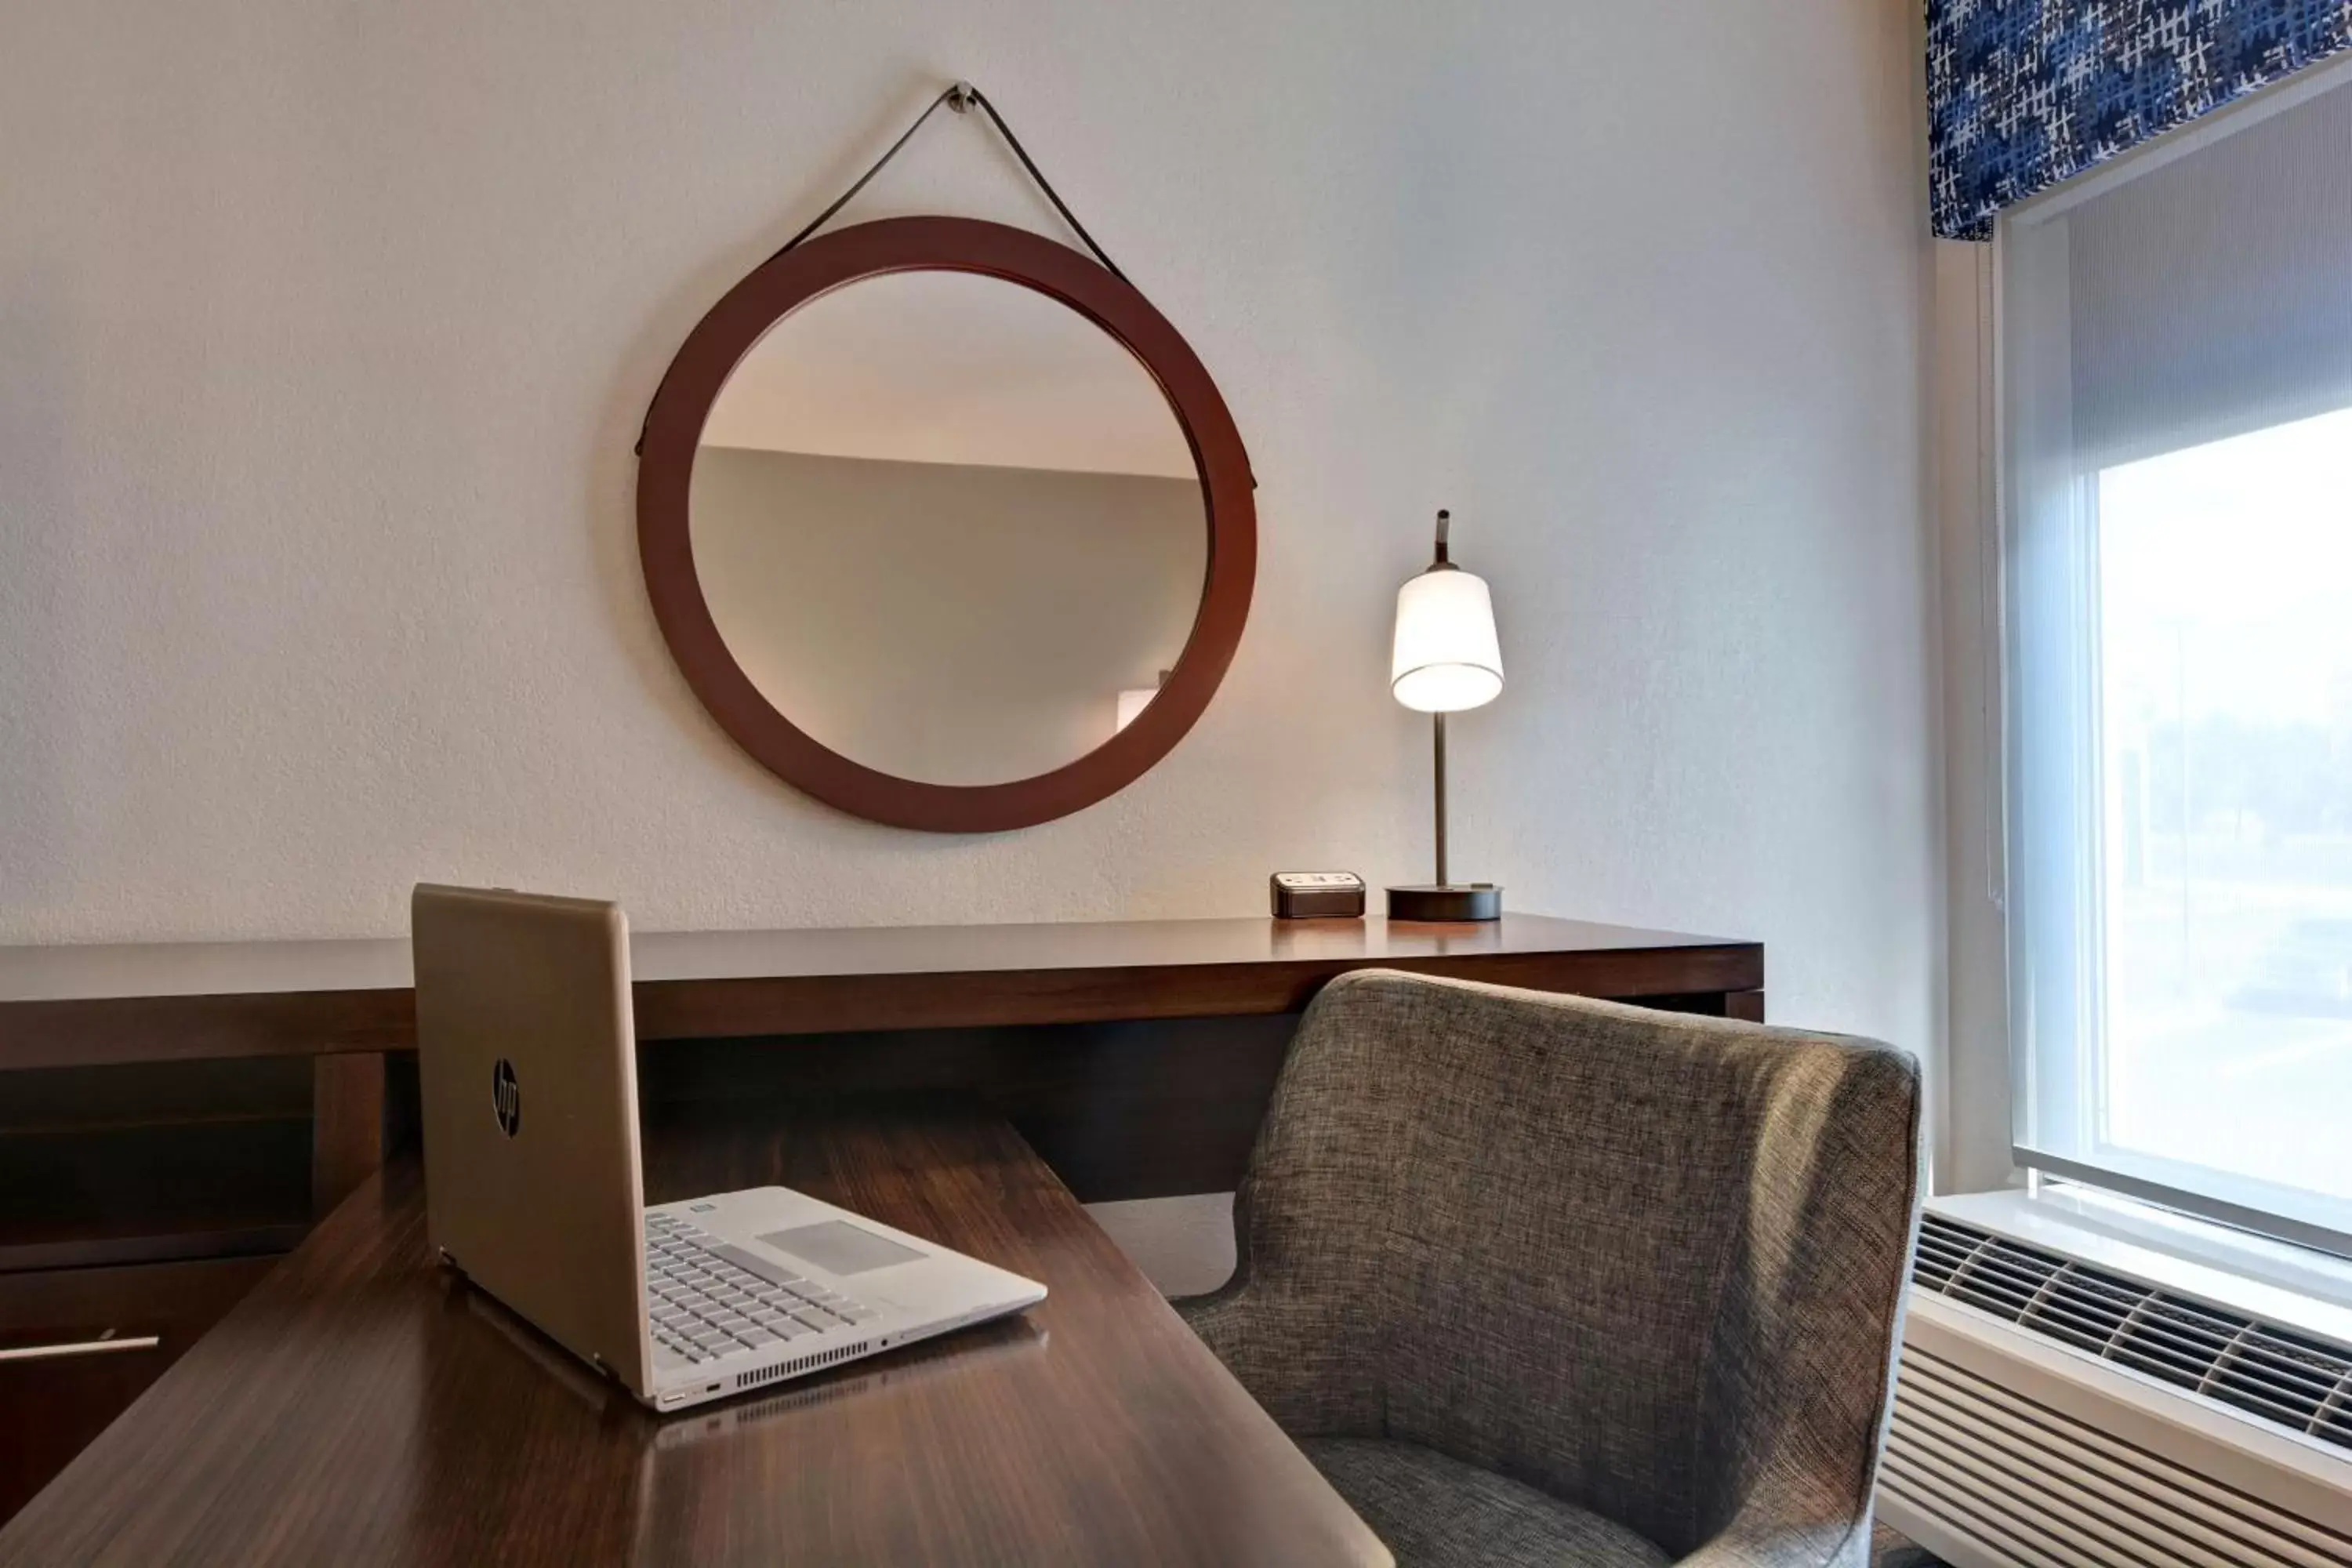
(527, 1063)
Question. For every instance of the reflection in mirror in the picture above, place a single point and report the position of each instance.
(949, 527)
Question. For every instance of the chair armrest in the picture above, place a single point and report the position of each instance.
(1228, 1321)
(1214, 1317)
(1804, 1357)
(1296, 1357)
(1787, 1523)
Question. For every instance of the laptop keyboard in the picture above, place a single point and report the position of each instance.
(709, 1299)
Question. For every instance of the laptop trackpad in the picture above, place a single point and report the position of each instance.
(839, 1248)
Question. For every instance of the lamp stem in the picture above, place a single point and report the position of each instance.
(1439, 720)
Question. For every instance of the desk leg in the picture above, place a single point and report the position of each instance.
(346, 1125)
(1747, 1005)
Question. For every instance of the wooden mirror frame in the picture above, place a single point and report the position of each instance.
(665, 544)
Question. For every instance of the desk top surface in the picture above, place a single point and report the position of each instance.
(82, 973)
(363, 1406)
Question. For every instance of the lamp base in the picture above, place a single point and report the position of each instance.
(1446, 902)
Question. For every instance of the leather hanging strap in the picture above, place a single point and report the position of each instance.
(960, 98)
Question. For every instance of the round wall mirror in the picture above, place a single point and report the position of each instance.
(945, 524)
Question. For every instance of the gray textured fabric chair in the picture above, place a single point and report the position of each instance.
(1535, 1279)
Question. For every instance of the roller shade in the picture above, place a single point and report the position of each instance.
(2214, 295)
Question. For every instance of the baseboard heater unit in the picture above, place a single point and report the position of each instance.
(2050, 1414)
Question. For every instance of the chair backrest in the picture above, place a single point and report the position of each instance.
(1620, 1254)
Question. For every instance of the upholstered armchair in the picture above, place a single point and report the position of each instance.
(1535, 1279)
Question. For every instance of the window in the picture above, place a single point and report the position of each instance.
(2177, 416)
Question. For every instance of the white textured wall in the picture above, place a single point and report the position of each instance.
(325, 330)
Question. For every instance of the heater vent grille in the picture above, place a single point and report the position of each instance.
(799, 1364)
(2023, 1484)
(2274, 1373)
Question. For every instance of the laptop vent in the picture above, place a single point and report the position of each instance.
(2283, 1377)
(799, 1364)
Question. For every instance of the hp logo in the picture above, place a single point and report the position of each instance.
(506, 1096)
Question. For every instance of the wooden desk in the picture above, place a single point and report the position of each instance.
(363, 1406)
(182, 1109)
(884, 1009)
(80, 1006)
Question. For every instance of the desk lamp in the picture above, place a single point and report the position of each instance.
(1446, 660)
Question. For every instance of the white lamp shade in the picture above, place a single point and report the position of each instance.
(1446, 656)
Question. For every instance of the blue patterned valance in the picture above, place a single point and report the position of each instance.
(2021, 93)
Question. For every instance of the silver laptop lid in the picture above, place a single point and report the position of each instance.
(525, 1049)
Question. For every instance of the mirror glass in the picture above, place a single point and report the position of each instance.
(949, 527)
